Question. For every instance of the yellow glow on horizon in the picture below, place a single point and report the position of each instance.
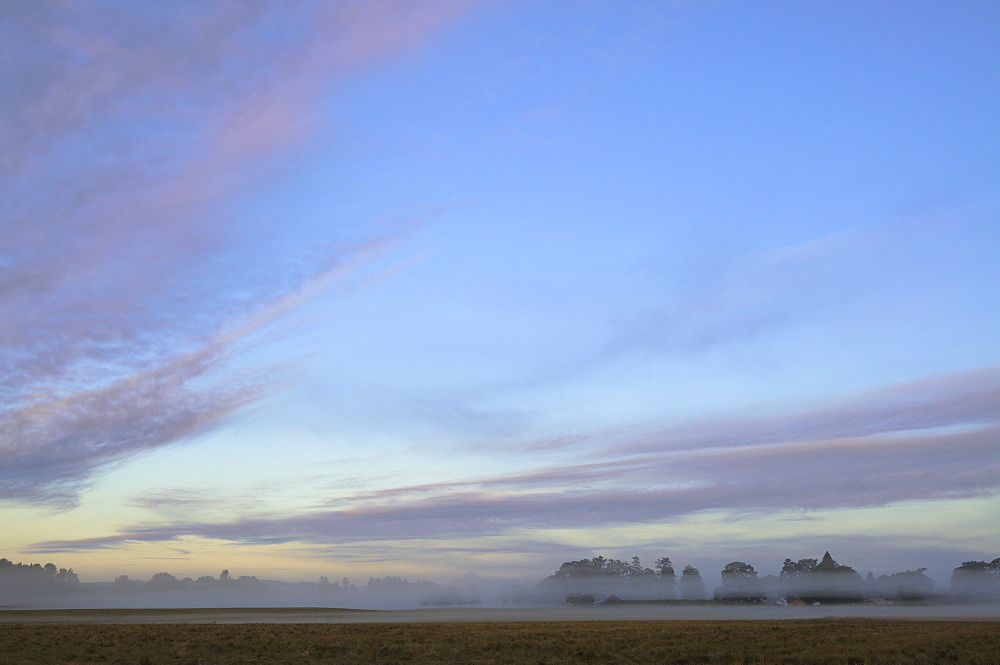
(710, 534)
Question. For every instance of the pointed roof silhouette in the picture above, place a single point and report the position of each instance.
(827, 563)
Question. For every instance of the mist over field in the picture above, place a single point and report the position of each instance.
(596, 581)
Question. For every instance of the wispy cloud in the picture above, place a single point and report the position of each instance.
(970, 398)
(738, 298)
(943, 453)
(126, 278)
(722, 302)
(51, 446)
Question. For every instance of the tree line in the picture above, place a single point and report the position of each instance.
(26, 582)
(164, 581)
(37, 585)
(35, 575)
(581, 580)
(804, 581)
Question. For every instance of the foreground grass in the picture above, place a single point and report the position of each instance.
(826, 641)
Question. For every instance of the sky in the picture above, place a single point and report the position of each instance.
(426, 288)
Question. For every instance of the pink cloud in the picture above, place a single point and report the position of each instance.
(127, 132)
(814, 472)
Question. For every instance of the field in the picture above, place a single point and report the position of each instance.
(830, 640)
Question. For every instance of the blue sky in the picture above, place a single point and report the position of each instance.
(426, 288)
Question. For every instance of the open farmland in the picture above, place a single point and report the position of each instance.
(833, 641)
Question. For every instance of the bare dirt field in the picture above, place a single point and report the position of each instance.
(835, 641)
(846, 635)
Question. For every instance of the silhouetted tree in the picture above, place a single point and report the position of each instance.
(388, 581)
(795, 568)
(601, 577)
(907, 585)
(977, 580)
(637, 574)
(739, 584)
(692, 586)
(596, 567)
(34, 578)
(67, 577)
(163, 581)
(666, 576)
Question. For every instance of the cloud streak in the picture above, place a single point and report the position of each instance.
(818, 468)
(127, 279)
(969, 398)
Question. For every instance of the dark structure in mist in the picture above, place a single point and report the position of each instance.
(826, 581)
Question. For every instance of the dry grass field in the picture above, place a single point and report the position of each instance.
(832, 641)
